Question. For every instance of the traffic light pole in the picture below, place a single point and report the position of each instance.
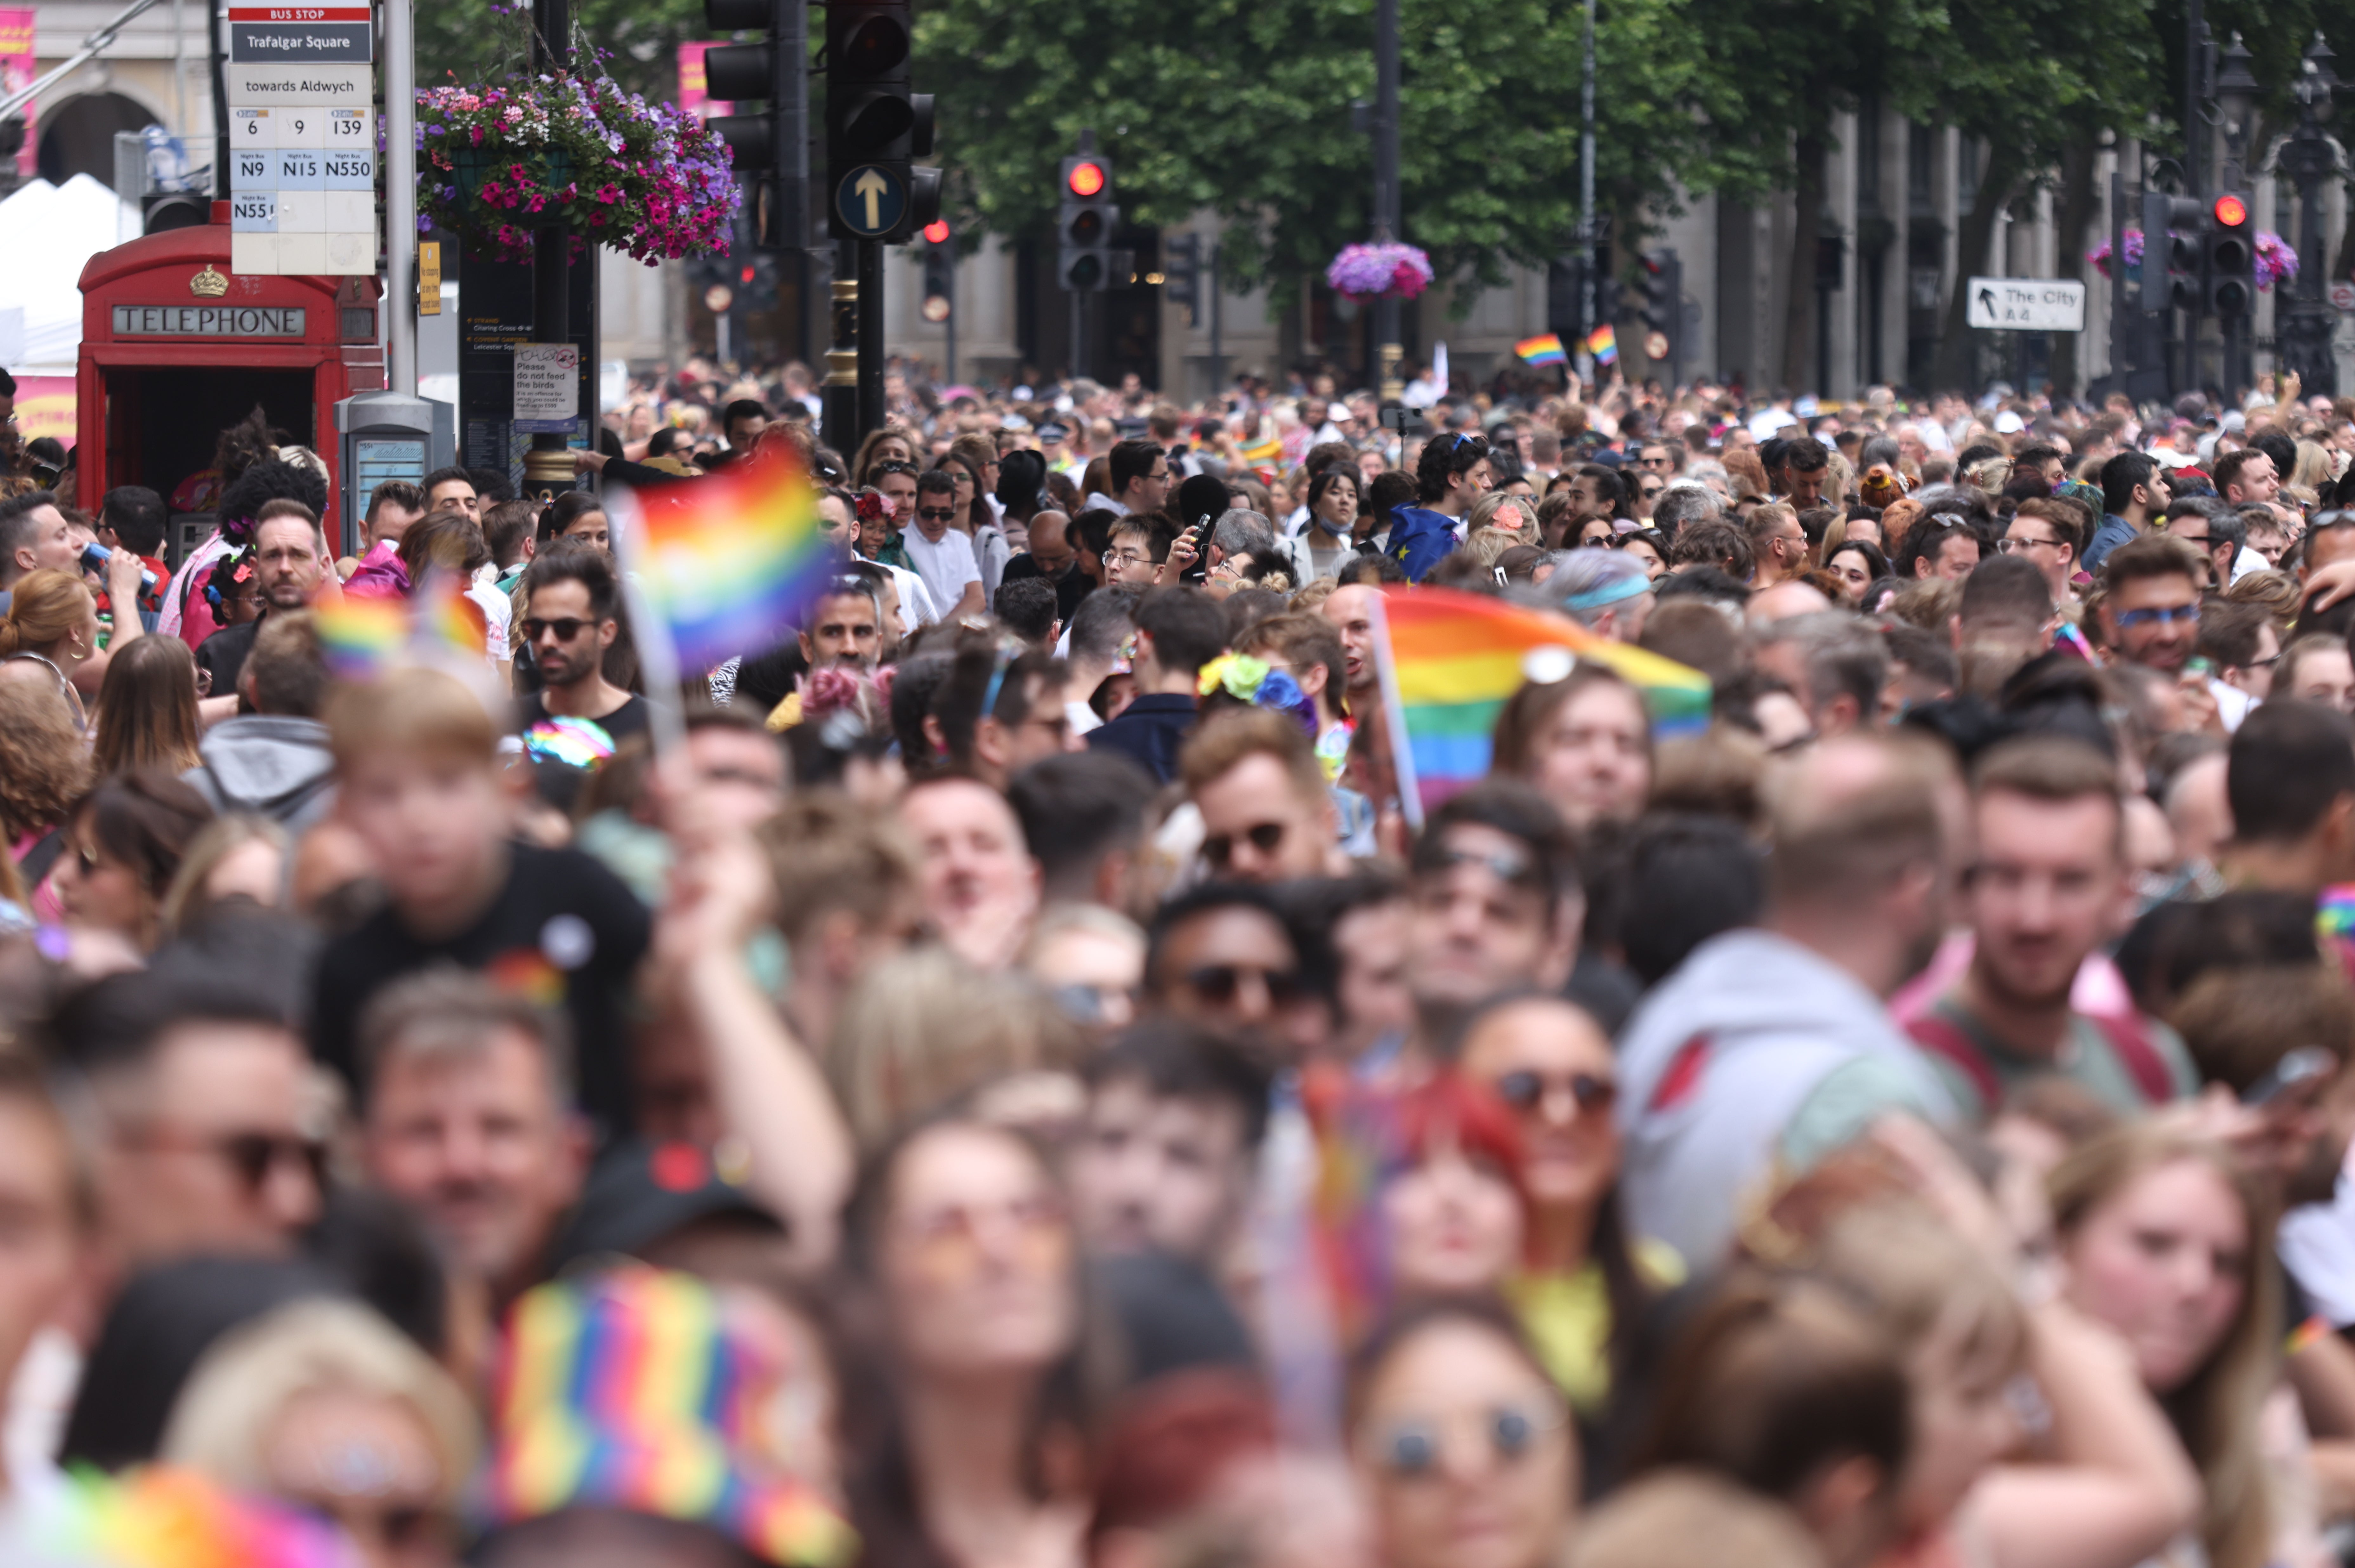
(842, 431)
(1386, 187)
(548, 467)
(870, 336)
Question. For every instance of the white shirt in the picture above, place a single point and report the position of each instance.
(945, 567)
(916, 606)
(1766, 422)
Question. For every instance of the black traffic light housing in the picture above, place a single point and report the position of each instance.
(1084, 221)
(1607, 290)
(940, 273)
(1181, 268)
(1662, 285)
(2230, 272)
(1566, 295)
(758, 144)
(873, 118)
(2170, 252)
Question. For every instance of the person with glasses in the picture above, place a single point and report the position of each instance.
(1268, 814)
(2046, 532)
(571, 615)
(938, 553)
(1223, 955)
(207, 1134)
(1582, 1279)
(2150, 603)
(1455, 1420)
(1140, 479)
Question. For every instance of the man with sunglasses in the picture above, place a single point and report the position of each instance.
(939, 552)
(2150, 603)
(1222, 956)
(1267, 813)
(569, 620)
(206, 1130)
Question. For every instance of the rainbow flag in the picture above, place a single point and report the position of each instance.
(362, 637)
(1449, 659)
(158, 1516)
(1604, 343)
(728, 559)
(1543, 349)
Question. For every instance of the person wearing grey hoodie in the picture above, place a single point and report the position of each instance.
(1770, 1046)
(273, 762)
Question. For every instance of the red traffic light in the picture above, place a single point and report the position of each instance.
(1087, 179)
(937, 231)
(747, 273)
(2232, 211)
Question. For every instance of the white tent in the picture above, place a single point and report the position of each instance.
(53, 231)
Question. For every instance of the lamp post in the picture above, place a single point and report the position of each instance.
(2303, 329)
(1387, 349)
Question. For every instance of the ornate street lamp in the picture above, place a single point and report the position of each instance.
(2236, 101)
(2309, 156)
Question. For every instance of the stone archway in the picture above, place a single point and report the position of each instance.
(77, 137)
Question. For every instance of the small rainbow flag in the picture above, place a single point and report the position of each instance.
(158, 1516)
(1449, 659)
(1543, 349)
(729, 558)
(362, 637)
(1604, 343)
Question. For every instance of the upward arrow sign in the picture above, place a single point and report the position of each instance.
(871, 186)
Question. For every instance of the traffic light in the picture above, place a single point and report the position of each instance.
(2232, 259)
(1566, 295)
(1663, 287)
(1182, 268)
(754, 283)
(1607, 290)
(2170, 252)
(874, 122)
(940, 273)
(1084, 222)
(738, 73)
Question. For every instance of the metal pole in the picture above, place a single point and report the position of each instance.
(1387, 215)
(219, 48)
(2118, 319)
(870, 336)
(1079, 334)
(1586, 235)
(548, 467)
(1218, 322)
(179, 70)
(842, 360)
(789, 156)
(399, 196)
(2195, 69)
(951, 322)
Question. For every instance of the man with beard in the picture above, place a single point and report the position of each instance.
(2047, 887)
(569, 622)
(1770, 1044)
(290, 560)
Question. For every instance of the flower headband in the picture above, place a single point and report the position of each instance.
(1247, 679)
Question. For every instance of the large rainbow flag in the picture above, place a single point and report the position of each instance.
(1449, 659)
(730, 559)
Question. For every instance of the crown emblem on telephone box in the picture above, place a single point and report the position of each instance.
(209, 284)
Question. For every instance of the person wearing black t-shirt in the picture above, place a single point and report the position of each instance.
(418, 759)
(569, 620)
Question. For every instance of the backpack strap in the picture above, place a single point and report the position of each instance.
(2131, 1040)
(1942, 1039)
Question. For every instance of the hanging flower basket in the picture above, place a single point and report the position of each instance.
(2275, 262)
(2100, 254)
(575, 154)
(1372, 272)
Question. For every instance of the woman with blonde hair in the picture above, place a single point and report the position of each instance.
(44, 769)
(2167, 1239)
(51, 631)
(324, 1405)
(240, 857)
(147, 709)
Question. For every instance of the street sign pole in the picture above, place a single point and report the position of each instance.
(842, 359)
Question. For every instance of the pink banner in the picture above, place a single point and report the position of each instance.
(693, 92)
(45, 406)
(16, 71)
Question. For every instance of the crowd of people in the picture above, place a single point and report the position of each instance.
(1022, 1074)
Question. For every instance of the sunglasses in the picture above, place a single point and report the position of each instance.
(1266, 837)
(893, 465)
(1410, 1449)
(566, 628)
(937, 513)
(2159, 615)
(1218, 983)
(1525, 1090)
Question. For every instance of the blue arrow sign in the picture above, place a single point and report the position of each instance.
(871, 200)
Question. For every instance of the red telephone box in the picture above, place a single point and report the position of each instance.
(177, 348)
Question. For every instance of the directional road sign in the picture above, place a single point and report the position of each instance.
(871, 200)
(2026, 305)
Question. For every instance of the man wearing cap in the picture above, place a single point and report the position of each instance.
(1054, 446)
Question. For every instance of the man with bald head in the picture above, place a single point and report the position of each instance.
(1770, 1044)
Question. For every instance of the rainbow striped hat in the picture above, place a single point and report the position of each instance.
(632, 1388)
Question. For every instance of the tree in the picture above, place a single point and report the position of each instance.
(466, 41)
(1243, 107)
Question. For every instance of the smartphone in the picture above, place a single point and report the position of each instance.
(2295, 1069)
(1198, 537)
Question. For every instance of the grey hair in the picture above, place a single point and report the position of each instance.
(1686, 501)
(1582, 571)
(1240, 531)
(1842, 653)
